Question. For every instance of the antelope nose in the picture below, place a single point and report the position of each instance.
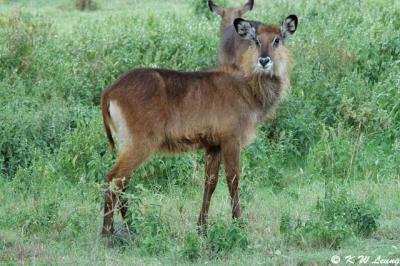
(264, 61)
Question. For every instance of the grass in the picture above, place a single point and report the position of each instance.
(337, 134)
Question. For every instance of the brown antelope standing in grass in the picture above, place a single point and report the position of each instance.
(217, 110)
(231, 46)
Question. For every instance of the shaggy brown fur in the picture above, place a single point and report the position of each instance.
(152, 110)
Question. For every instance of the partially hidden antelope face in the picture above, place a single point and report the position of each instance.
(229, 14)
(267, 54)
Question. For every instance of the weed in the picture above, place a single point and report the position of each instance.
(224, 237)
(86, 5)
(333, 221)
(192, 247)
(200, 7)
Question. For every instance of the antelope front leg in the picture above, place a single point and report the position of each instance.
(211, 169)
(231, 157)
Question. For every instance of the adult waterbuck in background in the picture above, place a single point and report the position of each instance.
(231, 46)
(217, 110)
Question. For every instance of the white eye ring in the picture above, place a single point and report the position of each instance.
(276, 41)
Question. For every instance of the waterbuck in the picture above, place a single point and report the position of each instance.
(231, 46)
(217, 110)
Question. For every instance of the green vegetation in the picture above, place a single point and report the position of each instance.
(86, 4)
(322, 179)
(335, 220)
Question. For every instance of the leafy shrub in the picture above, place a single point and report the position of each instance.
(332, 156)
(343, 154)
(86, 5)
(165, 173)
(20, 35)
(74, 223)
(260, 165)
(292, 134)
(223, 237)
(200, 7)
(40, 216)
(21, 141)
(192, 247)
(361, 217)
(333, 221)
(83, 155)
(151, 233)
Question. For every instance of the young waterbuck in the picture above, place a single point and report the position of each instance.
(217, 110)
(231, 46)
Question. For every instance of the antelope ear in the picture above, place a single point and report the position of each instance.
(245, 29)
(247, 7)
(216, 9)
(289, 26)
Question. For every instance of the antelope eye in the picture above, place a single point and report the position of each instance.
(276, 42)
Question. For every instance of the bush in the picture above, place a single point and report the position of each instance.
(32, 134)
(223, 237)
(151, 233)
(192, 247)
(86, 5)
(200, 7)
(165, 173)
(333, 221)
(20, 35)
(331, 157)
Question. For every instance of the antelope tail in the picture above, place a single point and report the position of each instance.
(106, 120)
